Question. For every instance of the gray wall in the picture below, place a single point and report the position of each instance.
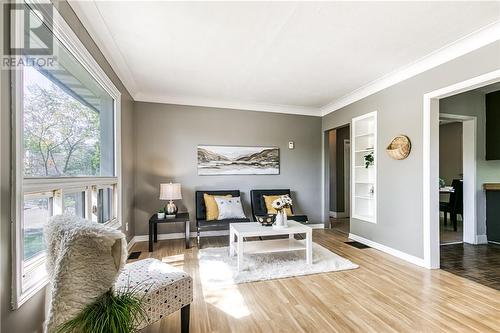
(166, 141)
(30, 316)
(400, 110)
(473, 104)
(450, 152)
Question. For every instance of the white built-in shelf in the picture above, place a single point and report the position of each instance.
(364, 134)
(367, 150)
(365, 197)
(364, 180)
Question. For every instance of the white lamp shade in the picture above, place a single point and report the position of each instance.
(170, 191)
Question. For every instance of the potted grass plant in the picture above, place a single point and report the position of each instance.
(114, 312)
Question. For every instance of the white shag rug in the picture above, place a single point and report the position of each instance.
(218, 269)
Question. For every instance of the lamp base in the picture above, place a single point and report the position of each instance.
(171, 209)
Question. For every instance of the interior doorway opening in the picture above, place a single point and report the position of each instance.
(339, 177)
(473, 205)
(457, 158)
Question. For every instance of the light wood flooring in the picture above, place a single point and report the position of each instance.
(384, 295)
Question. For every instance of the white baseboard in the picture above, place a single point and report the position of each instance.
(181, 235)
(481, 239)
(338, 215)
(396, 253)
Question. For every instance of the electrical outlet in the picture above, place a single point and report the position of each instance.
(126, 226)
(291, 145)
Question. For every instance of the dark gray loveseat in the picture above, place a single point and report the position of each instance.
(202, 224)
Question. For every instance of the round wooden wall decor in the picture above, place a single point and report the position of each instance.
(399, 148)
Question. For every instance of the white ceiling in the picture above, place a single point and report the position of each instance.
(291, 57)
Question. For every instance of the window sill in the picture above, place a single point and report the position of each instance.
(114, 224)
(35, 289)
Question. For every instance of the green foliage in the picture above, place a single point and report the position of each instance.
(119, 312)
(60, 133)
(162, 210)
(369, 159)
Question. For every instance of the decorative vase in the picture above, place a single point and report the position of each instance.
(161, 216)
(281, 220)
(278, 221)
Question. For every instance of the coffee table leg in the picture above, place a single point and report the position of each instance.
(240, 251)
(309, 248)
(188, 236)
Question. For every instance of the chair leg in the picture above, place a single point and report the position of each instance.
(454, 221)
(198, 237)
(445, 218)
(185, 319)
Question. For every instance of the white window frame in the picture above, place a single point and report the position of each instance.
(21, 186)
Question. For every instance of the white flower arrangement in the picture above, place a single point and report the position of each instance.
(282, 202)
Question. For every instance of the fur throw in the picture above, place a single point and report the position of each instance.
(84, 260)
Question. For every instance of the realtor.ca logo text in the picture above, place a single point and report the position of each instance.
(28, 37)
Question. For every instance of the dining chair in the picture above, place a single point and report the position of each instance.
(454, 206)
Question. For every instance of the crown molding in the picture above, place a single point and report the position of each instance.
(87, 12)
(462, 46)
(224, 104)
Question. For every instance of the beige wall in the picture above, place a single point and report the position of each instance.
(166, 141)
(29, 317)
(450, 152)
(400, 110)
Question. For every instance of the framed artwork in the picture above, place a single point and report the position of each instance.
(238, 160)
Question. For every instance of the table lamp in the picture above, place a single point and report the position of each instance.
(170, 192)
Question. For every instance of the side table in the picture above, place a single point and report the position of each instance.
(153, 227)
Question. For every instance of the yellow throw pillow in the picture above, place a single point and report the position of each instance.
(269, 205)
(212, 212)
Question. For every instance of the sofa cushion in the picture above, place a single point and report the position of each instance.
(220, 224)
(212, 210)
(268, 199)
(164, 289)
(201, 212)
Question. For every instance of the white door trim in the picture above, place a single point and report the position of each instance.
(431, 160)
(469, 160)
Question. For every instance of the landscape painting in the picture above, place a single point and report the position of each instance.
(236, 160)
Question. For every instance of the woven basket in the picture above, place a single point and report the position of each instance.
(399, 148)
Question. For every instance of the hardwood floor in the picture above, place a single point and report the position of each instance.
(340, 224)
(384, 295)
(479, 263)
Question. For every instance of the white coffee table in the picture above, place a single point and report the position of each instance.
(255, 229)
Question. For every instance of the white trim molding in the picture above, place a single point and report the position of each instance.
(431, 160)
(464, 45)
(214, 103)
(389, 250)
(481, 239)
(338, 215)
(65, 35)
(181, 235)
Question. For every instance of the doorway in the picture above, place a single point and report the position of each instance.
(339, 174)
(457, 178)
(431, 114)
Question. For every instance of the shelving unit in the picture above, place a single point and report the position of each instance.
(364, 179)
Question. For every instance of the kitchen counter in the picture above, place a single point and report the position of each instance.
(491, 186)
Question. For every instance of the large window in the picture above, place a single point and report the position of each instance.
(66, 157)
